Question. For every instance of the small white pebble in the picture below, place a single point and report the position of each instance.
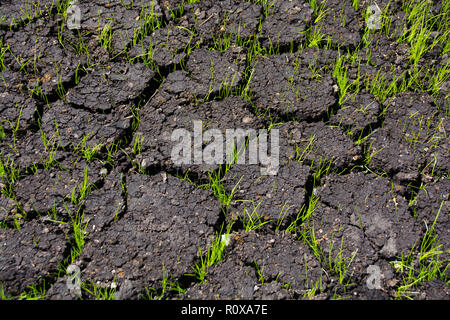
(225, 239)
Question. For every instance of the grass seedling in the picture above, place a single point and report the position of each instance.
(89, 153)
(21, 62)
(315, 71)
(10, 173)
(295, 224)
(340, 264)
(50, 145)
(167, 286)
(310, 293)
(99, 293)
(355, 4)
(2, 170)
(438, 78)
(60, 87)
(146, 55)
(340, 73)
(380, 87)
(432, 163)
(252, 220)
(148, 22)
(307, 209)
(3, 295)
(79, 227)
(302, 154)
(369, 153)
(81, 48)
(33, 292)
(260, 272)
(266, 4)
(314, 36)
(30, 11)
(318, 11)
(106, 33)
(227, 89)
(214, 254)
(424, 265)
(62, 7)
(282, 215)
(217, 188)
(308, 235)
(3, 49)
(80, 191)
(422, 25)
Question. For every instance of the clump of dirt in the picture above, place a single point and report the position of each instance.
(261, 266)
(289, 85)
(358, 222)
(30, 253)
(106, 89)
(411, 136)
(165, 114)
(158, 232)
(263, 198)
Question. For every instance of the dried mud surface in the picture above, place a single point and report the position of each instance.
(88, 177)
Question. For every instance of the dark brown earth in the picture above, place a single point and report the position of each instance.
(88, 179)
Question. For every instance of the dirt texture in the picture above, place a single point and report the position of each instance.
(261, 267)
(285, 85)
(30, 253)
(148, 239)
(131, 150)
